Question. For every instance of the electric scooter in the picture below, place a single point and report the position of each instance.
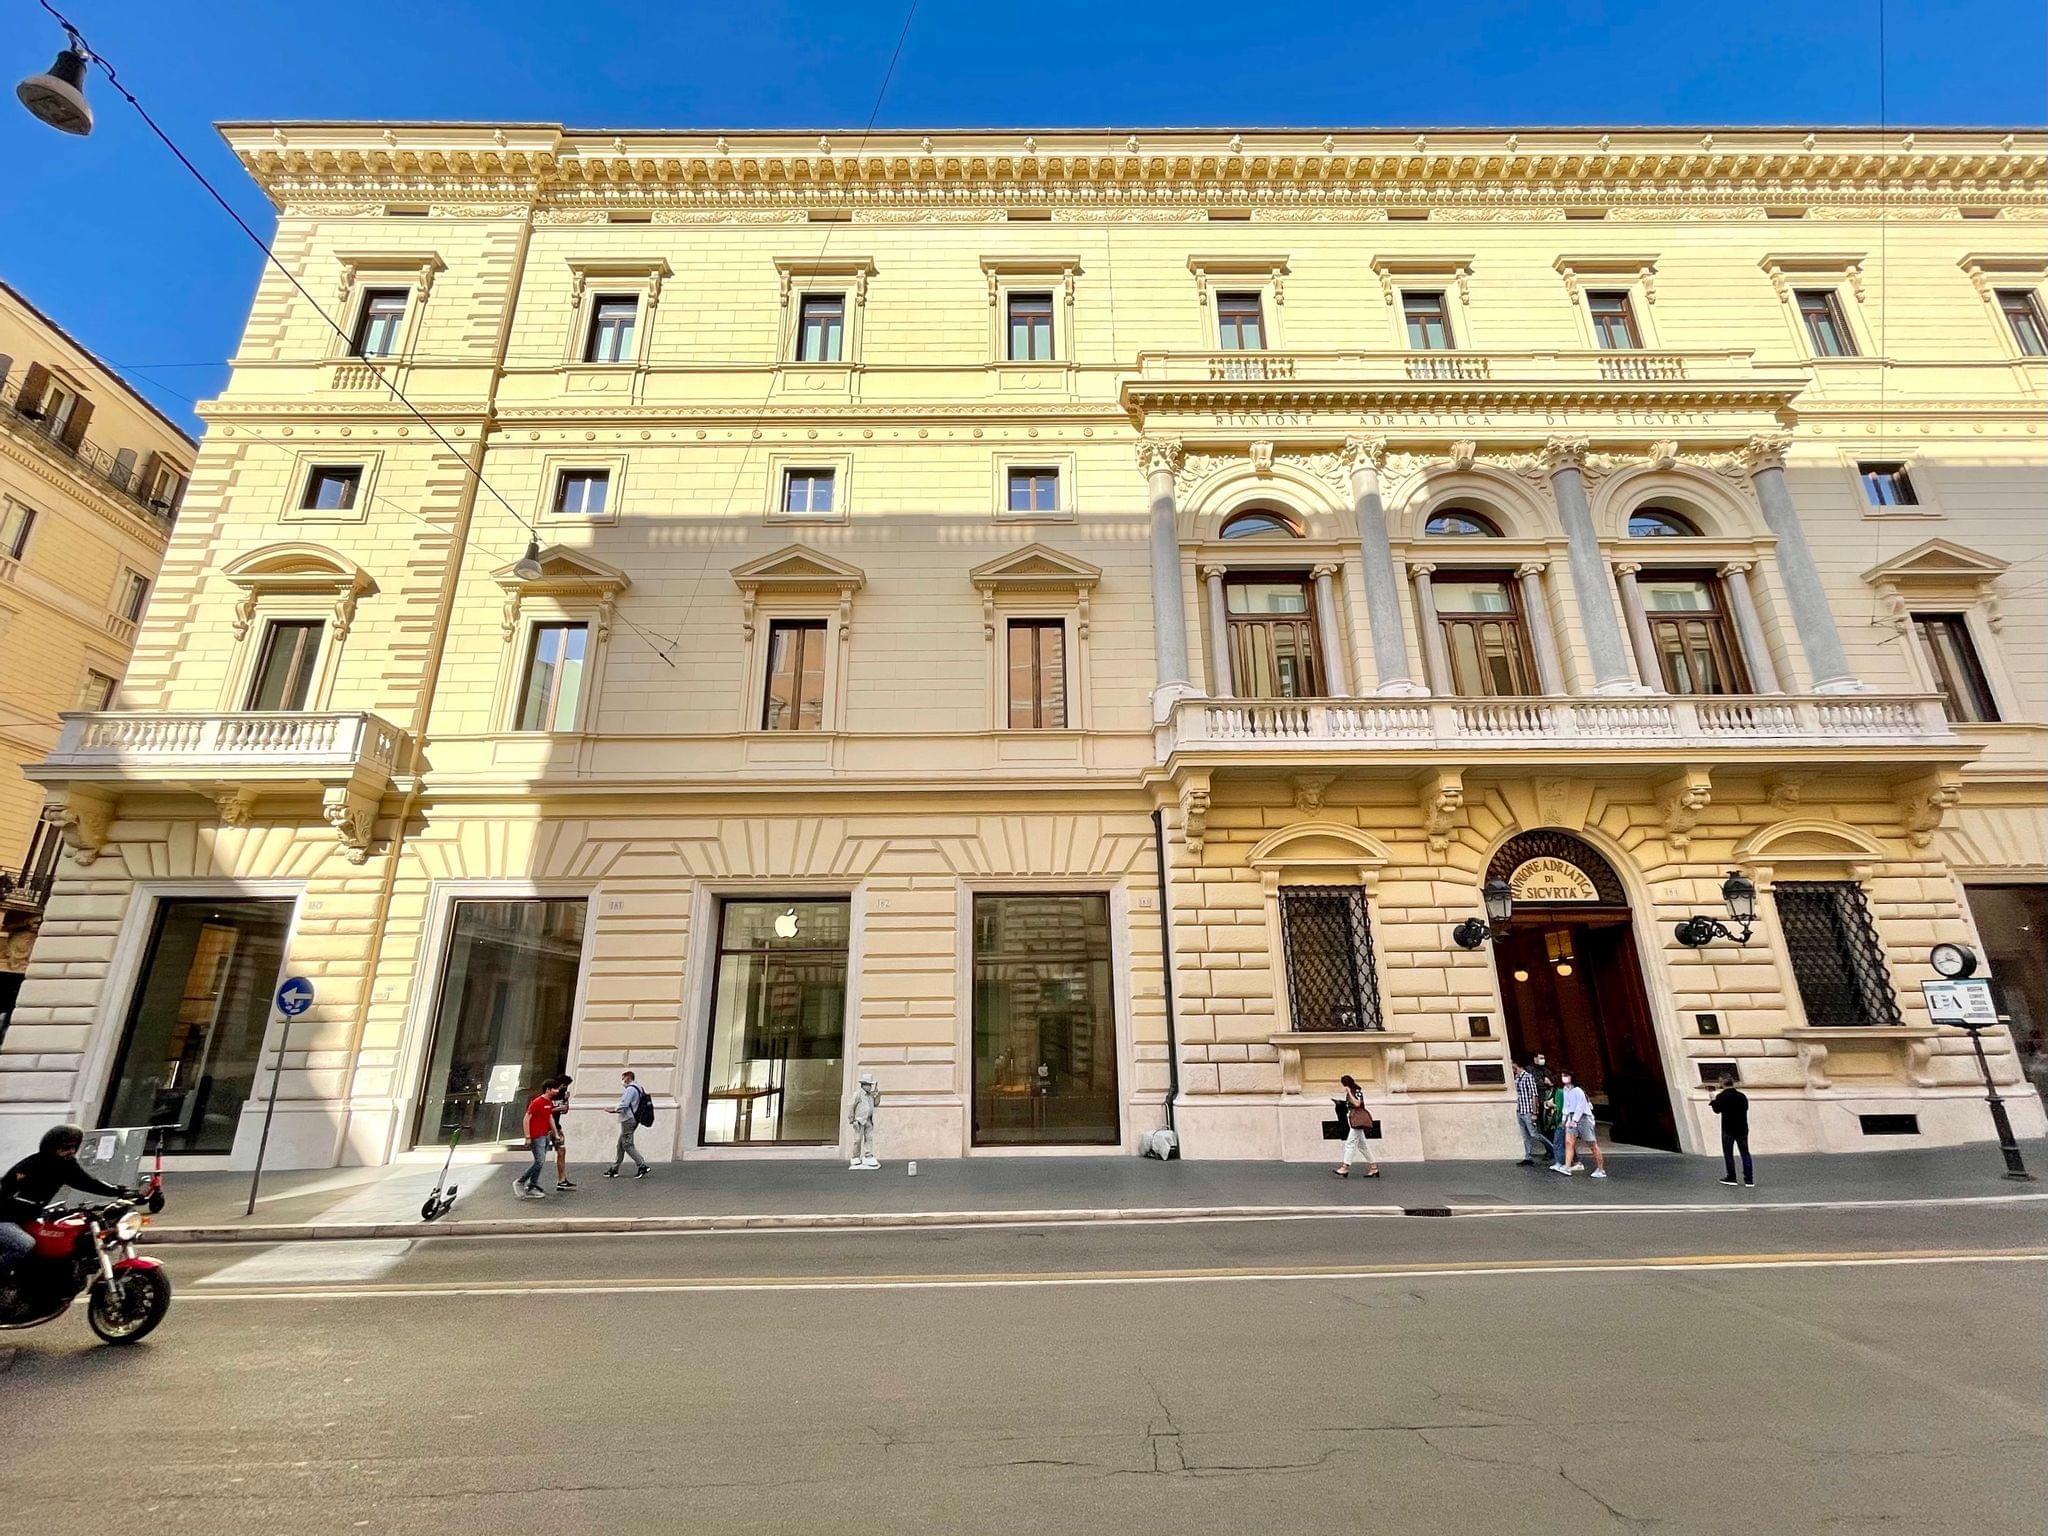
(441, 1199)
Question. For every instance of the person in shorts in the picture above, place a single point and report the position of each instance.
(1576, 1115)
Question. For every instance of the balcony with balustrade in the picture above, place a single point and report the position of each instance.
(121, 473)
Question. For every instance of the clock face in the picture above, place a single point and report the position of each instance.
(1953, 960)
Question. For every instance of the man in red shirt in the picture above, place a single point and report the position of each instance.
(540, 1127)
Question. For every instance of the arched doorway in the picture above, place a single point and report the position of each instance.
(1573, 984)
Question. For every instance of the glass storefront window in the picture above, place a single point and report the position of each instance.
(507, 999)
(778, 1022)
(1044, 1021)
(194, 1035)
(2012, 920)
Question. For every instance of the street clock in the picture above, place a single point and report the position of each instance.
(1953, 961)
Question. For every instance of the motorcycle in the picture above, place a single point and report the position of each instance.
(89, 1249)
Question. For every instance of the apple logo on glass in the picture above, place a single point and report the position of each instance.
(785, 924)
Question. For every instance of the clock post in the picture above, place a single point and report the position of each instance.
(1966, 1004)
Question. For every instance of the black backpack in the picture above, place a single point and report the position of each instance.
(643, 1112)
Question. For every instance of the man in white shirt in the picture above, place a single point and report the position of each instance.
(1578, 1128)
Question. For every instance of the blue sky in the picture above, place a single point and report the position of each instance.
(108, 235)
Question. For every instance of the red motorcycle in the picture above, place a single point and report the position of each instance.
(90, 1249)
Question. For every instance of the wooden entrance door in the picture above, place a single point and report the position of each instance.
(1574, 993)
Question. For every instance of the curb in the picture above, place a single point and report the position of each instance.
(285, 1232)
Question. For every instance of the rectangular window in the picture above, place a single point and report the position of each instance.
(284, 667)
(807, 492)
(776, 1070)
(1952, 661)
(1045, 1056)
(1429, 322)
(1034, 490)
(502, 1017)
(97, 691)
(1826, 331)
(1272, 638)
(2022, 310)
(612, 318)
(1887, 485)
(1332, 983)
(166, 487)
(1836, 958)
(58, 404)
(1038, 674)
(1240, 322)
(553, 684)
(1614, 321)
(821, 328)
(1030, 327)
(134, 596)
(582, 492)
(1694, 637)
(2010, 921)
(194, 1031)
(1481, 621)
(15, 522)
(331, 488)
(379, 322)
(795, 697)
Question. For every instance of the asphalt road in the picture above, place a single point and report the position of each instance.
(1741, 1372)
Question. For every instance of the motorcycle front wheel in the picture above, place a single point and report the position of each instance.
(131, 1308)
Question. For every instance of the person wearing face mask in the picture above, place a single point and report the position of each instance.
(1575, 1111)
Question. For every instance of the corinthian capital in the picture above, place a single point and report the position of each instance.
(1562, 452)
(1159, 455)
(1363, 453)
(1766, 451)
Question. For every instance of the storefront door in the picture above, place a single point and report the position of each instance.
(1044, 1022)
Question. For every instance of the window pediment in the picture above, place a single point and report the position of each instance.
(1059, 271)
(1035, 567)
(279, 570)
(1392, 270)
(1271, 270)
(648, 274)
(796, 571)
(565, 571)
(1642, 269)
(1786, 269)
(1938, 561)
(417, 267)
(811, 269)
(1990, 270)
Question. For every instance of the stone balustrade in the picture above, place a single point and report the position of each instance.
(1457, 366)
(119, 745)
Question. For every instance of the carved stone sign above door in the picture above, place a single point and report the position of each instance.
(1549, 878)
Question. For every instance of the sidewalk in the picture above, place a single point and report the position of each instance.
(738, 1196)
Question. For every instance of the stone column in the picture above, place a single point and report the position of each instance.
(1807, 598)
(1647, 664)
(1435, 656)
(1749, 628)
(1159, 458)
(1536, 614)
(1219, 632)
(1336, 675)
(1363, 456)
(1562, 456)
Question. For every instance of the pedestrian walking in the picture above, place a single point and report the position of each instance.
(1526, 1113)
(1575, 1112)
(635, 1109)
(1549, 1110)
(540, 1126)
(563, 1183)
(1732, 1105)
(1358, 1121)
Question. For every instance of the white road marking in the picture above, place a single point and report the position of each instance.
(301, 1263)
(1702, 1264)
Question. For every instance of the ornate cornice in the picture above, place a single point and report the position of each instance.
(1460, 175)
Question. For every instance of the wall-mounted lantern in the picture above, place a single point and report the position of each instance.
(1500, 906)
(1738, 891)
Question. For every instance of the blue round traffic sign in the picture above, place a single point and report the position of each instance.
(294, 997)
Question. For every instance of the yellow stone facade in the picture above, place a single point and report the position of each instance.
(90, 478)
(399, 788)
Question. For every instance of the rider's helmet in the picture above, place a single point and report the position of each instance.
(63, 1138)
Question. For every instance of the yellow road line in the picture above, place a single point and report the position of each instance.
(1470, 1269)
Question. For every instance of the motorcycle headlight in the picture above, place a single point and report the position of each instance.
(129, 1226)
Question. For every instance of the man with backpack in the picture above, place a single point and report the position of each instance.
(636, 1108)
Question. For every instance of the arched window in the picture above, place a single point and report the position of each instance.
(1259, 525)
(1461, 523)
(1660, 523)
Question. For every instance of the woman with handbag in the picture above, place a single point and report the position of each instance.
(1358, 1120)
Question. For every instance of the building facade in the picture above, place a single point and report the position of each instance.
(1072, 625)
(91, 476)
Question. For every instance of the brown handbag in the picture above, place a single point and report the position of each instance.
(1359, 1118)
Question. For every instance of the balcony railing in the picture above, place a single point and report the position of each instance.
(1581, 366)
(120, 472)
(1425, 724)
(120, 746)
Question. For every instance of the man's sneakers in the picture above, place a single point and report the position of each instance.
(1577, 1166)
(611, 1173)
(527, 1191)
(1560, 1168)
(640, 1172)
(1729, 1182)
(1599, 1173)
(1527, 1162)
(564, 1185)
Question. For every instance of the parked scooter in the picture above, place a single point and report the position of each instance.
(441, 1198)
(89, 1249)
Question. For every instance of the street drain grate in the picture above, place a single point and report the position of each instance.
(1425, 1210)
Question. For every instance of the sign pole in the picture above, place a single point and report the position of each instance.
(293, 999)
(2015, 1166)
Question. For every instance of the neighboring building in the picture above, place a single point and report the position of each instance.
(91, 475)
(1387, 514)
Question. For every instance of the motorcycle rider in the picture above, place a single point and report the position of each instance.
(28, 1186)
